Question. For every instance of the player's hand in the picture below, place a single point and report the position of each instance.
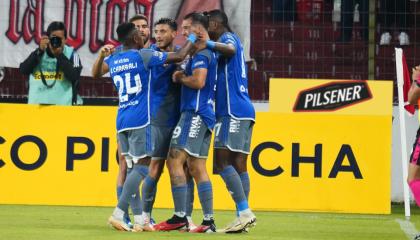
(177, 76)
(106, 50)
(43, 44)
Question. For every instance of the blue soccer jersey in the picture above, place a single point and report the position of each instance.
(232, 97)
(201, 101)
(131, 74)
(166, 95)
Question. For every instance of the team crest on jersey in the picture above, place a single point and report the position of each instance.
(332, 96)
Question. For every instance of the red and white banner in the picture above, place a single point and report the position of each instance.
(92, 23)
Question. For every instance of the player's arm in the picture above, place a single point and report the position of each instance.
(414, 92)
(181, 54)
(226, 49)
(100, 67)
(196, 81)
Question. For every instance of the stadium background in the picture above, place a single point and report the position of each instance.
(297, 44)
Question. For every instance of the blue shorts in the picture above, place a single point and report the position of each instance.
(233, 134)
(137, 143)
(192, 135)
(161, 140)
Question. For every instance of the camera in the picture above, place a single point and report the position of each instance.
(55, 42)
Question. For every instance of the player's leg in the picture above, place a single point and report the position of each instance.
(198, 171)
(175, 163)
(137, 142)
(414, 170)
(177, 157)
(231, 145)
(197, 146)
(190, 198)
(122, 174)
(161, 137)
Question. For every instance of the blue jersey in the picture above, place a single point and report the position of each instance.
(131, 74)
(232, 97)
(201, 101)
(166, 95)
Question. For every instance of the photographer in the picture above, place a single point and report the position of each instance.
(54, 70)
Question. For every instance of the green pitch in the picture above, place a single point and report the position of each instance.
(79, 223)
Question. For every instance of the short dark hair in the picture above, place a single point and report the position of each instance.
(168, 21)
(139, 17)
(200, 18)
(124, 30)
(189, 15)
(56, 26)
(219, 16)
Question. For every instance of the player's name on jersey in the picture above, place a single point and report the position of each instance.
(124, 67)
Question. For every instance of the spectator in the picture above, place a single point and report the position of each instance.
(347, 15)
(394, 12)
(54, 69)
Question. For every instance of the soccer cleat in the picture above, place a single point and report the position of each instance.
(173, 223)
(207, 226)
(190, 226)
(241, 224)
(118, 224)
(127, 220)
(142, 223)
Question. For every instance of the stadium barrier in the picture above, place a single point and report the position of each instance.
(308, 154)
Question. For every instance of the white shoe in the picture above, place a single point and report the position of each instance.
(385, 39)
(404, 39)
(118, 223)
(241, 223)
(142, 223)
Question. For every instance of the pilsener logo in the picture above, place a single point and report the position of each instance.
(332, 96)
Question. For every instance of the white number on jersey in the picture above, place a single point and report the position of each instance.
(126, 85)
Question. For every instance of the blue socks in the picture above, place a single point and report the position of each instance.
(234, 185)
(131, 187)
(205, 193)
(245, 183)
(179, 195)
(190, 197)
(148, 193)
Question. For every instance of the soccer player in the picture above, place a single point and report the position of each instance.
(130, 71)
(165, 112)
(142, 24)
(235, 116)
(191, 137)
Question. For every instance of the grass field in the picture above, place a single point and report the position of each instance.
(79, 223)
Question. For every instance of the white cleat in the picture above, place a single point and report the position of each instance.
(118, 224)
(241, 224)
(142, 223)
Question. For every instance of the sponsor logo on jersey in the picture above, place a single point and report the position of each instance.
(195, 127)
(332, 96)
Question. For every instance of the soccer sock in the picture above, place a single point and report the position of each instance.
(119, 191)
(234, 185)
(415, 188)
(245, 183)
(136, 200)
(179, 195)
(205, 193)
(147, 192)
(131, 186)
(190, 197)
